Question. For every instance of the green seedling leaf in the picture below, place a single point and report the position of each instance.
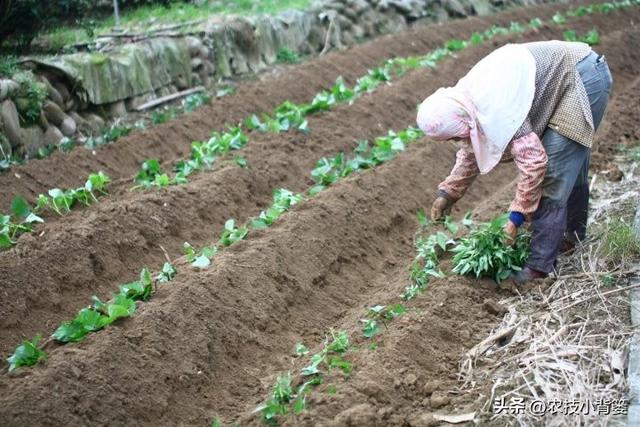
(466, 220)
(484, 253)
(98, 305)
(312, 368)
(299, 405)
(20, 207)
(451, 226)
(121, 307)
(201, 261)
(26, 354)
(558, 19)
(377, 309)
(240, 161)
(167, 274)
(394, 311)
(535, 23)
(301, 349)
(370, 328)
(340, 363)
(70, 332)
(373, 346)
(5, 240)
(422, 218)
(232, 234)
(339, 343)
(189, 251)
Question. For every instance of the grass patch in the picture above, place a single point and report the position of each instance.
(619, 243)
(8, 65)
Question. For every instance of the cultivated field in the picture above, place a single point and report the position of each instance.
(212, 342)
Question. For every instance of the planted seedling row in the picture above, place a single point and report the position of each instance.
(99, 314)
(289, 393)
(326, 172)
(23, 218)
(95, 317)
(289, 115)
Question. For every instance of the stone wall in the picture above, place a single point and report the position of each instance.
(86, 90)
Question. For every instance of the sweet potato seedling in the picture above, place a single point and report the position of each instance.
(151, 175)
(282, 201)
(199, 259)
(484, 253)
(380, 314)
(21, 220)
(167, 273)
(232, 234)
(26, 354)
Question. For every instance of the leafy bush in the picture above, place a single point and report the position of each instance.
(287, 55)
(483, 251)
(34, 92)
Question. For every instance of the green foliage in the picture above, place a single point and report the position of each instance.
(123, 304)
(8, 65)
(535, 23)
(232, 234)
(370, 328)
(163, 115)
(22, 219)
(516, 27)
(33, 92)
(558, 19)
(61, 201)
(203, 154)
(301, 349)
(26, 354)
(484, 253)
(288, 56)
(329, 170)
(195, 101)
(112, 134)
(151, 175)
(619, 244)
(199, 259)
(591, 38)
(281, 396)
(167, 273)
(282, 201)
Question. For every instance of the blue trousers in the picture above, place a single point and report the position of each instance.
(562, 212)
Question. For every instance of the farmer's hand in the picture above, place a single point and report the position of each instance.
(441, 207)
(511, 231)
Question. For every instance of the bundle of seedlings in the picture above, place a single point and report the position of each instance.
(485, 251)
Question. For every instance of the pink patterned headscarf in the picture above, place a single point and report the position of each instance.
(487, 106)
(446, 114)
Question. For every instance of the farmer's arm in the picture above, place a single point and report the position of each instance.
(451, 189)
(464, 172)
(531, 160)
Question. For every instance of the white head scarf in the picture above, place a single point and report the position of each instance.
(488, 105)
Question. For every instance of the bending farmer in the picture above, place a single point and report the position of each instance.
(539, 105)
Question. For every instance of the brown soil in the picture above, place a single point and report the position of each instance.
(210, 343)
